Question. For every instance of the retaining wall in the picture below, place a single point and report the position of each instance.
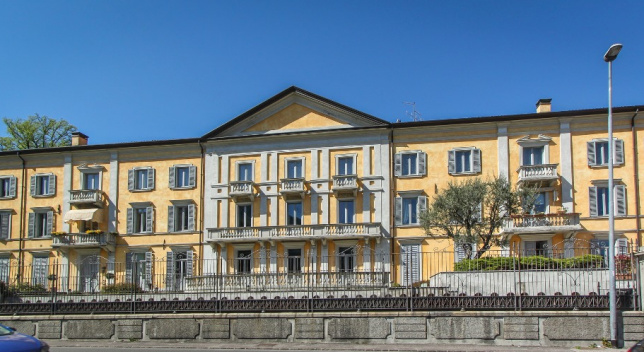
(565, 329)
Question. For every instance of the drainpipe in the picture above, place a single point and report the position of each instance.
(22, 215)
(392, 206)
(637, 177)
(201, 204)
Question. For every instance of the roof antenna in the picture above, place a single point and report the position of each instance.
(414, 115)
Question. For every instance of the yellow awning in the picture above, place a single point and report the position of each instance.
(83, 215)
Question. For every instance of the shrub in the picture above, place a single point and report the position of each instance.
(532, 262)
(122, 288)
(28, 288)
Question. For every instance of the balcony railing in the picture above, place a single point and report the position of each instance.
(542, 223)
(84, 240)
(233, 234)
(241, 189)
(292, 186)
(542, 172)
(89, 196)
(345, 183)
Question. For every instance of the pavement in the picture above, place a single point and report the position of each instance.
(269, 346)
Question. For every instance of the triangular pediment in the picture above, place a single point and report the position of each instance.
(295, 110)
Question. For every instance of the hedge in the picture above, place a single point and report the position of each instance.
(532, 262)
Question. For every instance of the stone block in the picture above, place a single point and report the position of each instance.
(89, 329)
(633, 320)
(521, 328)
(309, 328)
(215, 329)
(25, 327)
(359, 328)
(464, 328)
(129, 329)
(520, 321)
(262, 328)
(410, 328)
(576, 328)
(634, 328)
(172, 329)
(49, 329)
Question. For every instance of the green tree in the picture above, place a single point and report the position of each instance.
(36, 132)
(472, 212)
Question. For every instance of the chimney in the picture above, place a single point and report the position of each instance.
(79, 139)
(544, 105)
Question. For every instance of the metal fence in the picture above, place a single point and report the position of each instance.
(555, 277)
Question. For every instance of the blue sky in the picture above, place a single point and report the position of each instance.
(124, 70)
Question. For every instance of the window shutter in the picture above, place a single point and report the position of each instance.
(150, 178)
(193, 176)
(191, 217)
(128, 267)
(32, 185)
(50, 223)
(592, 199)
(422, 205)
(12, 186)
(476, 160)
(459, 252)
(619, 152)
(451, 162)
(422, 163)
(32, 220)
(621, 246)
(52, 185)
(530, 248)
(590, 146)
(170, 218)
(169, 275)
(5, 218)
(620, 200)
(149, 219)
(130, 220)
(149, 258)
(397, 164)
(410, 262)
(189, 263)
(130, 179)
(569, 249)
(398, 211)
(171, 177)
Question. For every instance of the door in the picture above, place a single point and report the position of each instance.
(179, 269)
(88, 273)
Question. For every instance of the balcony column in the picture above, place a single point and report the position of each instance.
(314, 256)
(224, 259)
(262, 257)
(324, 260)
(273, 258)
(63, 272)
(366, 255)
(67, 186)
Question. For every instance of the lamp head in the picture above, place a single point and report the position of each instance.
(612, 52)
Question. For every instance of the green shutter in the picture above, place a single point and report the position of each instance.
(128, 267)
(169, 274)
(590, 148)
(620, 200)
(592, 200)
(151, 178)
(170, 218)
(619, 152)
(5, 220)
(398, 211)
(397, 164)
(52, 185)
(476, 160)
(149, 259)
(130, 179)
(50, 223)
(32, 186)
(192, 176)
(130, 220)
(422, 163)
(172, 177)
(12, 186)
(149, 219)
(32, 221)
(191, 217)
(451, 162)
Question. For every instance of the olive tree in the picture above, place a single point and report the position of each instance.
(36, 132)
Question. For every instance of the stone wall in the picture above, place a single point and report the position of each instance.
(566, 329)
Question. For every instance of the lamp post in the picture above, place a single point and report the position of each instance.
(609, 57)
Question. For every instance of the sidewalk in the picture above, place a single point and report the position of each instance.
(269, 346)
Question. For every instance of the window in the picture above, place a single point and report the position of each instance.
(43, 185)
(181, 217)
(345, 165)
(410, 263)
(7, 187)
(346, 259)
(294, 213)
(598, 152)
(540, 203)
(140, 219)
(182, 176)
(244, 172)
(4, 270)
(410, 163)
(294, 168)
(138, 269)
(41, 223)
(141, 179)
(533, 156)
(91, 180)
(408, 209)
(346, 211)
(294, 260)
(244, 215)
(180, 265)
(5, 224)
(539, 248)
(464, 161)
(39, 270)
(243, 262)
(598, 197)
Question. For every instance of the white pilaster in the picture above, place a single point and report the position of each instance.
(273, 258)
(324, 260)
(274, 167)
(225, 169)
(67, 186)
(366, 160)
(502, 141)
(566, 166)
(366, 255)
(315, 164)
(210, 256)
(263, 210)
(366, 206)
(113, 216)
(263, 169)
(314, 256)
(325, 163)
(224, 259)
(262, 257)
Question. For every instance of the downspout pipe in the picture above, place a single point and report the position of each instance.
(637, 178)
(201, 203)
(392, 205)
(21, 233)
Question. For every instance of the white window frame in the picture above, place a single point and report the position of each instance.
(302, 160)
(37, 191)
(134, 209)
(540, 141)
(135, 171)
(286, 215)
(287, 247)
(620, 198)
(353, 217)
(354, 165)
(238, 214)
(11, 182)
(346, 244)
(91, 170)
(252, 169)
(421, 205)
(175, 169)
(236, 251)
(618, 152)
(473, 169)
(47, 227)
(421, 163)
(173, 211)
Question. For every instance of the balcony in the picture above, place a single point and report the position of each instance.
(85, 240)
(242, 190)
(88, 196)
(542, 223)
(304, 232)
(292, 187)
(345, 183)
(538, 173)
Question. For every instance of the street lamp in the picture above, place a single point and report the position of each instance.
(609, 57)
